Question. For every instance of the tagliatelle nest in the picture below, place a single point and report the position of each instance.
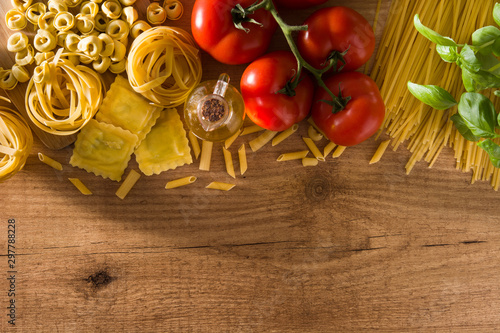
(164, 65)
(61, 98)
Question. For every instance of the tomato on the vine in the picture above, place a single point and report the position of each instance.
(333, 31)
(298, 4)
(213, 29)
(361, 117)
(261, 84)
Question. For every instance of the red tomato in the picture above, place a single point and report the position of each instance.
(336, 29)
(362, 116)
(260, 84)
(298, 4)
(213, 29)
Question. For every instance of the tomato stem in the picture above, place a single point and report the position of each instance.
(338, 103)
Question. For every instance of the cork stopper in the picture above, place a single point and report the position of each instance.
(213, 110)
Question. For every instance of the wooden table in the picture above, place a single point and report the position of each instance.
(344, 246)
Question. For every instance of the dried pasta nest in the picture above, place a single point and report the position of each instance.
(16, 141)
(62, 97)
(164, 65)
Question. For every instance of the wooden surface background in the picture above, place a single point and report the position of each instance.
(344, 246)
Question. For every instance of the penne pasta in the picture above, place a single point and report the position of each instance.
(380, 151)
(329, 148)
(129, 182)
(229, 162)
(338, 151)
(261, 140)
(230, 140)
(242, 156)
(195, 144)
(297, 155)
(285, 134)
(313, 134)
(314, 150)
(50, 162)
(251, 129)
(309, 161)
(206, 155)
(180, 182)
(80, 186)
(220, 186)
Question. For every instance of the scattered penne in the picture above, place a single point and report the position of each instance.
(313, 134)
(380, 151)
(180, 182)
(242, 156)
(251, 129)
(329, 148)
(313, 148)
(297, 155)
(338, 151)
(230, 140)
(309, 161)
(206, 155)
(195, 144)
(80, 186)
(50, 162)
(129, 182)
(285, 134)
(220, 186)
(261, 140)
(229, 162)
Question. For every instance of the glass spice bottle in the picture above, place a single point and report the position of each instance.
(214, 110)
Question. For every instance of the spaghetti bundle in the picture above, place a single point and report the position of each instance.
(164, 65)
(16, 141)
(404, 55)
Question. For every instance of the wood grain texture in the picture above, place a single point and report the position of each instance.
(344, 246)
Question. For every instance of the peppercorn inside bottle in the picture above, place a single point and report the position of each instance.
(214, 110)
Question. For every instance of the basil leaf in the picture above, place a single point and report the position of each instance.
(462, 128)
(479, 114)
(493, 151)
(496, 13)
(484, 39)
(447, 53)
(431, 34)
(468, 60)
(479, 81)
(489, 63)
(434, 96)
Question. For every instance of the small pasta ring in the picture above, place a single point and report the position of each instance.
(46, 21)
(15, 19)
(119, 52)
(72, 3)
(71, 42)
(174, 9)
(85, 24)
(127, 2)
(101, 22)
(42, 56)
(89, 9)
(129, 15)
(139, 27)
(25, 57)
(118, 30)
(112, 9)
(57, 6)
(34, 12)
(64, 21)
(7, 79)
(20, 73)
(118, 67)
(22, 5)
(155, 13)
(101, 65)
(44, 41)
(91, 46)
(108, 45)
(17, 42)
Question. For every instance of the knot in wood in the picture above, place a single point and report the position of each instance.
(318, 188)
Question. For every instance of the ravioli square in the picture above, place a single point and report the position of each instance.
(165, 147)
(125, 108)
(103, 149)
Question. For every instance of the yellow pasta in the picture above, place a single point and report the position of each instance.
(108, 45)
(118, 30)
(180, 182)
(127, 2)
(7, 79)
(313, 148)
(242, 156)
(338, 151)
(206, 155)
(17, 42)
(164, 65)
(229, 141)
(313, 134)
(155, 13)
(261, 140)
(21, 5)
(71, 42)
(46, 21)
(329, 148)
(91, 46)
(228, 160)
(139, 27)
(44, 41)
(174, 9)
(20, 73)
(15, 19)
(251, 129)
(16, 141)
(42, 56)
(284, 135)
(296, 155)
(101, 22)
(309, 161)
(220, 186)
(50, 162)
(26, 56)
(112, 9)
(195, 144)
(62, 105)
(57, 6)
(129, 15)
(89, 9)
(85, 24)
(129, 182)
(380, 151)
(118, 67)
(35, 11)
(119, 51)
(72, 3)
(64, 21)
(80, 186)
